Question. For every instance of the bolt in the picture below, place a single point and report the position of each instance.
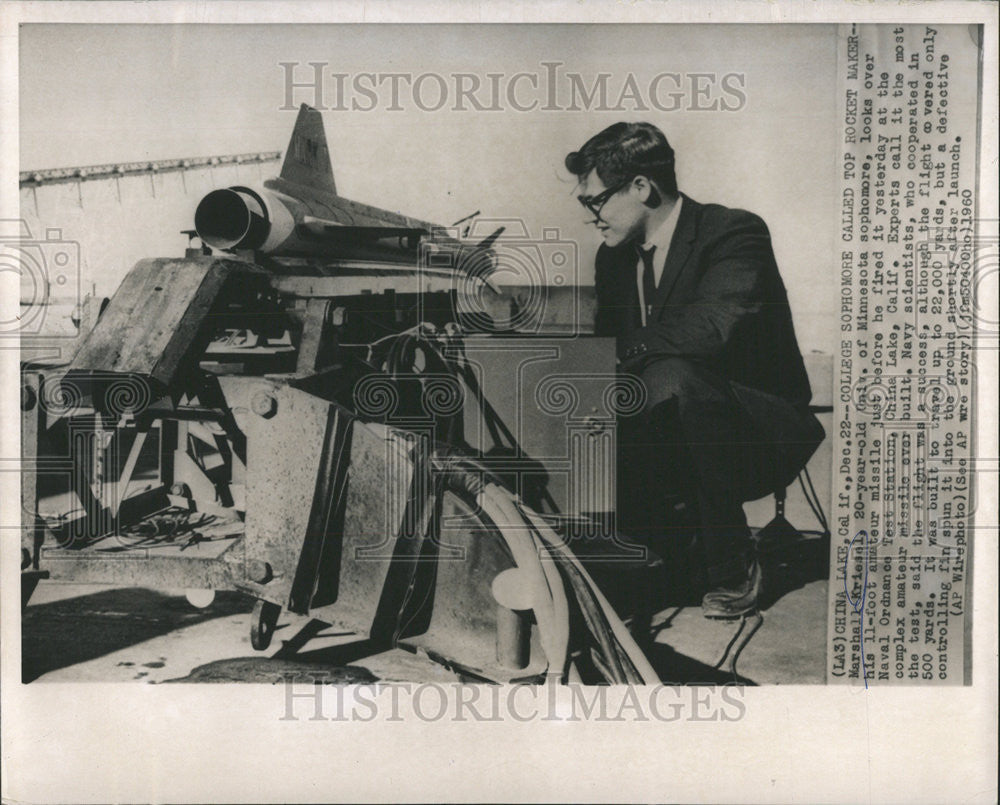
(263, 404)
(259, 572)
(338, 316)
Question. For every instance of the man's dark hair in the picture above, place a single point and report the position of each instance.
(625, 150)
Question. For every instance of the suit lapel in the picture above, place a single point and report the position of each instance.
(680, 251)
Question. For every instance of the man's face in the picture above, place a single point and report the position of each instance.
(622, 216)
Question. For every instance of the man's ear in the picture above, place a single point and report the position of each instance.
(648, 194)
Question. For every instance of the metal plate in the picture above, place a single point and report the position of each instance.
(324, 502)
(559, 400)
(461, 612)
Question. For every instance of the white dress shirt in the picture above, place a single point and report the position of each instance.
(660, 238)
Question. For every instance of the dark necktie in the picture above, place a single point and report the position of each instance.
(648, 279)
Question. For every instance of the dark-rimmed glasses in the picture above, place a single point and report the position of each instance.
(595, 204)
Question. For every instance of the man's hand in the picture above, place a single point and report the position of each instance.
(631, 359)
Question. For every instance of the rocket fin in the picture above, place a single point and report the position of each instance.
(307, 160)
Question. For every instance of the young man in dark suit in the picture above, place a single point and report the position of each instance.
(693, 295)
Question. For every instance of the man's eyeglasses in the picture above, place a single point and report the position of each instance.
(596, 203)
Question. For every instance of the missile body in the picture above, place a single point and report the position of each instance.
(283, 220)
(300, 213)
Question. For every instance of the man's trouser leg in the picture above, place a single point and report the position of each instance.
(696, 430)
(697, 437)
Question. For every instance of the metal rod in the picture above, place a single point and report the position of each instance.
(513, 638)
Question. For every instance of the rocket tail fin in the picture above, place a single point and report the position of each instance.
(307, 160)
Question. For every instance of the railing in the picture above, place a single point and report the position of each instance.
(122, 169)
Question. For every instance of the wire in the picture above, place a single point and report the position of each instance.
(819, 505)
(812, 498)
(399, 359)
(739, 641)
(502, 510)
(370, 344)
(166, 526)
(620, 660)
(629, 651)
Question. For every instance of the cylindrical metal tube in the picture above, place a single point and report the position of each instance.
(232, 218)
(514, 595)
(247, 218)
(513, 638)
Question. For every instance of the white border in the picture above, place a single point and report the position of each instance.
(97, 742)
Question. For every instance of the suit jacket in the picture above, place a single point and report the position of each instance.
(720, 302)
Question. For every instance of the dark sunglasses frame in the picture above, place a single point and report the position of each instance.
(595, 204)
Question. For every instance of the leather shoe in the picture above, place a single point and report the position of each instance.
(737, 600)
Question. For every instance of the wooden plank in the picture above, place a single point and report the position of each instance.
(129, 336)
(314, 326)
(126, 475)
(155, 316)
(196, 312)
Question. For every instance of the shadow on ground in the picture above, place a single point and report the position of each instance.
(272, 671)
(790, 565)
(107, 621)
(76, 630)
(332, 665)
(677, 669)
